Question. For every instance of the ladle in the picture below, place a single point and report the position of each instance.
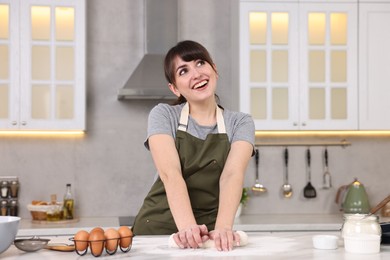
(286, 188)
(258, 188)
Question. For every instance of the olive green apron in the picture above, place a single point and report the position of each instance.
(202, 162)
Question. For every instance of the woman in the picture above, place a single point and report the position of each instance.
(201, 152)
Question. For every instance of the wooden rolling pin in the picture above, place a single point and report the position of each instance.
(380, 205)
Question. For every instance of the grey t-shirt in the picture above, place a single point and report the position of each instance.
(164, 119)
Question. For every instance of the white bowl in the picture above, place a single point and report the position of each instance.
(8, 229)
(362, 244)
(325, 242)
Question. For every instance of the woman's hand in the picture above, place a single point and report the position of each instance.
(192, 237)
(224, 239)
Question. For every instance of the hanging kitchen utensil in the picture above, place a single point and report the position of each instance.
(326, 178)
(257, 188)
(286, 188)
(309, 191)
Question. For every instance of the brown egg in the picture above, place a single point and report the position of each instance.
(96, 242)
(97, 229)
(112, 236)
(81, 240)
(126, 236)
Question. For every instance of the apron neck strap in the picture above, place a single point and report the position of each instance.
(183, 123)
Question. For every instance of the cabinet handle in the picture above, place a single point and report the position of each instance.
(14, 123)
(303, 124)
(24, 123)
(295, 124)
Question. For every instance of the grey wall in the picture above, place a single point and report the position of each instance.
(109, 168)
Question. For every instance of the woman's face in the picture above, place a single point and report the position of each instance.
(195, 80)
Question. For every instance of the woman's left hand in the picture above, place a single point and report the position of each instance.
(224, 239)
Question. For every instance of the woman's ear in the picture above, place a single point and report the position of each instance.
(215, 69)
(174, 89)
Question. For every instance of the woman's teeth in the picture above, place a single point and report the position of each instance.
(200, 84)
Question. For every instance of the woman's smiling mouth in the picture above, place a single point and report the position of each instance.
(200, 85)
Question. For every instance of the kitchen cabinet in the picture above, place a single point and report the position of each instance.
(298, 64)
(42, 65)
(374, 65)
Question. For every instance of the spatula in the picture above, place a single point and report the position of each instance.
(309, 191)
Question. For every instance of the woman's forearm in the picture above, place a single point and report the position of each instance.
(179, 203)
(231, 183)
(167, 162)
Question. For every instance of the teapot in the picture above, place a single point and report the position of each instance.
(354, 198)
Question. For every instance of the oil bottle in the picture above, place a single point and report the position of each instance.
(68, 202)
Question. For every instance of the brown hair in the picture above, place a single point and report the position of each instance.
(187, 51)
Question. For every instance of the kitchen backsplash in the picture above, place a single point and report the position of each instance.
(109, 168)
(362, 160)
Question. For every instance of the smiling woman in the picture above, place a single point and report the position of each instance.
(200, 151)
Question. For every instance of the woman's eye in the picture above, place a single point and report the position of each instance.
(200, 63)
(182, 71)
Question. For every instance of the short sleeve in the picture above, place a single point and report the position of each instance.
(243, 129)
(163, 119)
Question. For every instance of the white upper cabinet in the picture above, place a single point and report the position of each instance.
(374, 66)
(42, 78)
(269, 70)
(298, 65)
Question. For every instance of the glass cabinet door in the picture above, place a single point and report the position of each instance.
(328, 78)
(53, 69)
(5, 81)
(298, 65)
(9, 70)
(268, 73)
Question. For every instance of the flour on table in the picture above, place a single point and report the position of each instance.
(210, 243)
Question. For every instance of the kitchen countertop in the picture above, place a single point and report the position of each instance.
(269, 245)
(252, 223)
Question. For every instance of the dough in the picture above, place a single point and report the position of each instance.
(210, 243)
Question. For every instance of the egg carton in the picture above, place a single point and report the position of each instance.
(98, 246)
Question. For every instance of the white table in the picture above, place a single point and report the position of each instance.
(268, 245)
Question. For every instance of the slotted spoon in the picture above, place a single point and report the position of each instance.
(309, 191)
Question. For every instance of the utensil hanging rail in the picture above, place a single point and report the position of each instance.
(343, 143)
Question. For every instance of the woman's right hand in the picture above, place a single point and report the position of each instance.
(191, 237)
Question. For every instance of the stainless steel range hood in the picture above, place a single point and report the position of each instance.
(148, 81)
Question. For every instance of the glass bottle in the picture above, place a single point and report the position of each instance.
(13, 208)
(4, 189)
(14, 188)
(3, 208)
(68, 203)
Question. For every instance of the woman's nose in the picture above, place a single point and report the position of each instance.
(195, 72)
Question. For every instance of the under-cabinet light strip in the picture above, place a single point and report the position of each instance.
(42, 133)
(343, 134)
